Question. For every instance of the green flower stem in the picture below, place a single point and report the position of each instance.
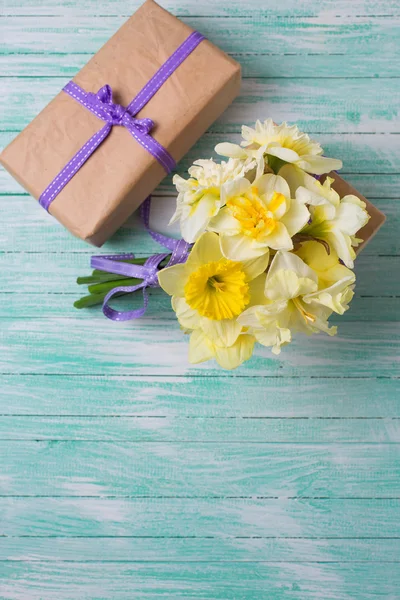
(101, 282)
(275, 163)
(91, 300)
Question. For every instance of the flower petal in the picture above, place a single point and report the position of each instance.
(274, 337)
(205, 250)
(224, 222)
(296, 217)
(336, 297)
(200, 347)
(285, 154)
(341, 243)
(318, 165)
(256, 289)
(231, 150)
(234, 188)
(173, 279)
(240, 247)
(187, 317)
(268, 184)
(195, 217)
(255, 266)
(264, 326)
(222, 333)
(235, 355)
(279, 238)
(294, 177)
(291, 262)
(351, 217)
(283, 284)
(251, 316)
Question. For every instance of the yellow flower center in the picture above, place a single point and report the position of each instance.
(254, 218)
(218, 290)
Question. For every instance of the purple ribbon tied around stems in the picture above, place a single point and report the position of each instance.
(102, 105)
(148, 272)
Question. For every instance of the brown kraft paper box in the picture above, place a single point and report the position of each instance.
(120, 174)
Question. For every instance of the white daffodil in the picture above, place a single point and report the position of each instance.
(258, 216)
(202, 348)
(209, 292)
(335, 281)
(333, 220)
(291, 304)
(199, 197)
(280, 144)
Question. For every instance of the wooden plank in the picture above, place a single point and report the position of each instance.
(216, 581)
(80, 346)
(165, 550)
(164, 429)
(253, 64)
(23, 305)
(92, 381)
(334, 34)
(72, 517)
(316, 108)
(235, 8)
(200, 469)
(42, 273)
(204, 397)
(37, 231)
(370, 161)
(360, 154)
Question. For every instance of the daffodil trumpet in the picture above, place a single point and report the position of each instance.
(270, 247)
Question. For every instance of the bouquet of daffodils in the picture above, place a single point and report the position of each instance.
(273, 246)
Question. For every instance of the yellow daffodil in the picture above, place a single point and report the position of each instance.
(258, 216)
(210, 291)
(202, 348)
(333, 220)
(335, 281)
(280, 144)
(291, 304)
(199, 197)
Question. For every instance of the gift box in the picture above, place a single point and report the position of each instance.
(93, 191)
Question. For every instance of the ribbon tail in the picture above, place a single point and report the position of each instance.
(71, 168)
(171, 243)
(125, 315)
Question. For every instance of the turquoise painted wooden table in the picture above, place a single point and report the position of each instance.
(125, 473)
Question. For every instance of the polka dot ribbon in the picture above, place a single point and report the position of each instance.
(179, 251)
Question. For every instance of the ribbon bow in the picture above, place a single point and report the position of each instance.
(102, 105)
(147, 272)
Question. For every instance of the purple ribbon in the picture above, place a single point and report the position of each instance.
(147, 272)
(102, 105)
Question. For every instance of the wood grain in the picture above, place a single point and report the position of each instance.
(149, 429)
(193, 469)
(127, 473)
(143, 348)
(189, 550)
(199, 397)
(228, 581)
(84, 518)
(315, 108)
(235, 9)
